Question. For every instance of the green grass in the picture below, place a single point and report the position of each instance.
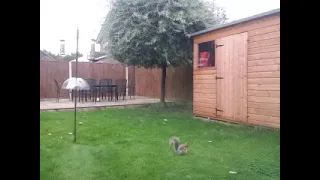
(119, 144)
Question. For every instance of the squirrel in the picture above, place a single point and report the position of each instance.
(178, 148)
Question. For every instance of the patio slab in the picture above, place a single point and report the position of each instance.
(66, 104)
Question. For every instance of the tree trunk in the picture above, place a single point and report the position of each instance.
(163, 83)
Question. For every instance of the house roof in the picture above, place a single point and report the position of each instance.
(45, 56)
(42, 54)
(257, 16)
(99, 58)
(81, 59)
(105, 59)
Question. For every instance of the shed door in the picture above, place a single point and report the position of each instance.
(231, 63)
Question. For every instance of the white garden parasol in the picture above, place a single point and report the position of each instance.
(75, 83)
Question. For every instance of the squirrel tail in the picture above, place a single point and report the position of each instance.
(175, 141)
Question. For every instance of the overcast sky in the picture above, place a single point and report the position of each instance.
(59, 19)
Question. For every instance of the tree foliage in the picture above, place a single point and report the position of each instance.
(154, 33)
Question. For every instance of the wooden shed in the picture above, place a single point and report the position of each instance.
(236, 71)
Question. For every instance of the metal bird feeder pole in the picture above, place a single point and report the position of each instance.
(75, 99)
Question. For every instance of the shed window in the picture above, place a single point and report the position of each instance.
(206, 54)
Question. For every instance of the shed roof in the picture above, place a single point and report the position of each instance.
(254, 17)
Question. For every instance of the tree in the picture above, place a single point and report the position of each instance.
(153, 34)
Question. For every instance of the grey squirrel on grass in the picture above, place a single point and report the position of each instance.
(178, 148)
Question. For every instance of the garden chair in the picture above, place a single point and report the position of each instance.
(132, 90)
(84, 93)
(105, 90)
(122, 85)
(58, 90)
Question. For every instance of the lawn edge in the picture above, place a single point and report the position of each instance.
(232, 123)
(98, 107)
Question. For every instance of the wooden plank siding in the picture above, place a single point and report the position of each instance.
(204, 92)
(263, 71)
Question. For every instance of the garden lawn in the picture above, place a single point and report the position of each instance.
(121, 144)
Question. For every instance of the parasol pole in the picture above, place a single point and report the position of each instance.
(75, 99)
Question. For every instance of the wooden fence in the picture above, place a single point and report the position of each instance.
(99, 70)
(50, 70)
(59, 70)
(179, 83)
(148, 81)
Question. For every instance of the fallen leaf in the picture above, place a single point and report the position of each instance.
(232, 172)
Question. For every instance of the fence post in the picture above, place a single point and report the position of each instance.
(127, 77)
(70, 76)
